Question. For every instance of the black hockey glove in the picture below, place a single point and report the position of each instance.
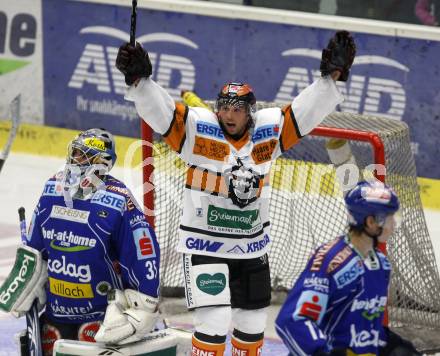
(334, 352)
(398, 346)
(133, 62)
(339, 55)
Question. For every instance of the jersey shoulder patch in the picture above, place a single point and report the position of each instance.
(52, 188)
(324, 254)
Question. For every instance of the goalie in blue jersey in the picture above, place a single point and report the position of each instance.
(101, 281)
(336, 306)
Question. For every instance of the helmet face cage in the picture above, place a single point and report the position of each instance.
(236, 95)
(94, 146)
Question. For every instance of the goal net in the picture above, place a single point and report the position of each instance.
(307, 209)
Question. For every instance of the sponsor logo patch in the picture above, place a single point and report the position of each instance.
(340, 257)
(64, 213)
(262, 152)
(319, 256)
(211, 284)
(364, 338)
(103, 287)
(93, 142)
(348, 273)
(209, 129)
(266, 131)
(67, 241)
(258, 245)
(82, 272)
(144, 244)
(51, 190)
(317, 283)
(69, 289)
(18, 279)
(311, 305)
(372, 308)
(238, 219)
(110, 200)
(210, 148)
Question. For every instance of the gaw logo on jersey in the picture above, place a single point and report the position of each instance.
(144, 244)
(211, 284)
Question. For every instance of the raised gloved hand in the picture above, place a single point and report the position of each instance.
(133, 62)
(339, 55)
(130, 315)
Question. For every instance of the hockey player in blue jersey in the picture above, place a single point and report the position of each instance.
(97, 246)
(336, 306)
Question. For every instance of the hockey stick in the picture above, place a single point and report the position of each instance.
(133, 23)
(32, 320)
(14, 108)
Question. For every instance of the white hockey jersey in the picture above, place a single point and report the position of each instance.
(216, 220)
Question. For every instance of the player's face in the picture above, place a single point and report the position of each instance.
(388, 228)
(234, 119)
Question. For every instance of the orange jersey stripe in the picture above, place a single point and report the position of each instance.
(290, 134)
(176, 133)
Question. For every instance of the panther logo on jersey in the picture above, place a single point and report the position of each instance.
(243, 184)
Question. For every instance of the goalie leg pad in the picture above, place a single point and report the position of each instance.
(206, 281)
(25, 282)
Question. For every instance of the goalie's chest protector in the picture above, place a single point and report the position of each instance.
(225, 211)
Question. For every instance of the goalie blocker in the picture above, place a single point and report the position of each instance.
(25, 282)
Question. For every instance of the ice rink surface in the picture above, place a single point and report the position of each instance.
(21, 183)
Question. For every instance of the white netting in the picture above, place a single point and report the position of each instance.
(307, 209)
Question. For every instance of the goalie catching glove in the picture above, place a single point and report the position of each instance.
(133, 62)
(130, 315)
(339, 55)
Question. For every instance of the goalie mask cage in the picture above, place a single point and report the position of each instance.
(307, 209)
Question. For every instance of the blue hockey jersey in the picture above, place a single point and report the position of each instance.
(337, 302)
(97, 244)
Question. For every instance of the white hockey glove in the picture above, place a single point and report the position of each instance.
(25, 283)
(130, 315)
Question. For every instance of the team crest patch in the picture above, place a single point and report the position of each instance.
(211, 284)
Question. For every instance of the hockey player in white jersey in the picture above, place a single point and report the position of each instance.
(224, 231)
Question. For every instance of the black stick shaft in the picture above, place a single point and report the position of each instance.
(133, 23)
